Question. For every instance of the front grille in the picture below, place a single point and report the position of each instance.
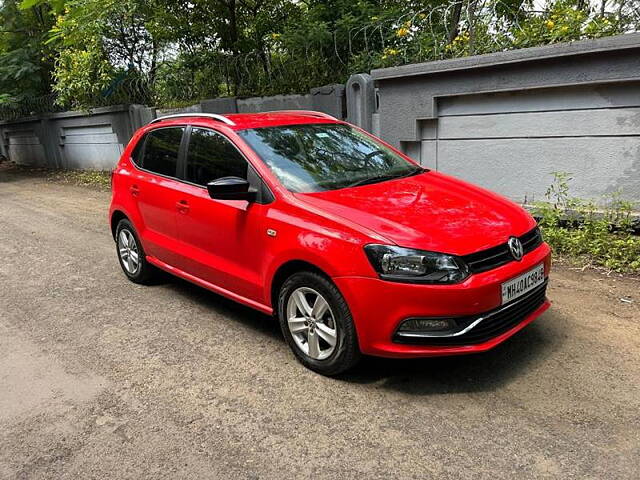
(500, 255)
(496, 322)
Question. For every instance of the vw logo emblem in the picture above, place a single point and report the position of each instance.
(515, 247)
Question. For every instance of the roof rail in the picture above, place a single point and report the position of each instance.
(214, 116)
(308, 113)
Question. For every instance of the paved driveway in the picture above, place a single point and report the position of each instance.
(100, 378)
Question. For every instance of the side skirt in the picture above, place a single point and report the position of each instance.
(210, 286)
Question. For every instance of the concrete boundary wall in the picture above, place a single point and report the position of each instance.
(329, 99)
(89, 140)
(507, 120)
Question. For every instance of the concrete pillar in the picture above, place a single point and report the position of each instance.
(140, 115)
(361, 100)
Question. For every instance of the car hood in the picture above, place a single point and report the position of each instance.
(429, 211)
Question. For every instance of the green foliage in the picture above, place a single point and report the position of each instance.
(81, 75)
(103, 47)
(56, 5)
(25, 60)
(563, 22)
(188, 77)
(166, 52)
(598, 235)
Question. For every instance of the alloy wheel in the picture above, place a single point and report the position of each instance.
(128, 251)
(312, 323)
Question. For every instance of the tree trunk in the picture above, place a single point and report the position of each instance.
(455, 21)
(471, 15)
(233, 42)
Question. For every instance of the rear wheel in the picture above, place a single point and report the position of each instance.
(317, 324)
(131, 255)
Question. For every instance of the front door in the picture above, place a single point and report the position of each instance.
(223, 240)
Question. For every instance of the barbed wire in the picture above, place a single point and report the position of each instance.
(28, 107)
(296, 66)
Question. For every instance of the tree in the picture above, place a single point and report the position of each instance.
(170, 52)
(26, 62)
(107, 52)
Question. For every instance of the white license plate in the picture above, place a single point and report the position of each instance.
(516, 287)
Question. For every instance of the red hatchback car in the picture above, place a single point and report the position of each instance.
(352, 245)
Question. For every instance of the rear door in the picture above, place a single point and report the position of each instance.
(223, 240)
(156, 191)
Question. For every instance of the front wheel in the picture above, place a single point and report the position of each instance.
(317, 324)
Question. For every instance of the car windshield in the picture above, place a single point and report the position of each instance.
(316, 157)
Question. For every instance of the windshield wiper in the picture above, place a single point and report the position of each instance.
(376, 179)
(382, 178)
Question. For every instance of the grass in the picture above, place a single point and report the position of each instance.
(85, 178)
(602, 235)
(97, 179)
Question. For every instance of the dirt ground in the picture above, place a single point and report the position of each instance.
(100, 378)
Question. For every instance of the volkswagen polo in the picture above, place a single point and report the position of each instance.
(353, 246)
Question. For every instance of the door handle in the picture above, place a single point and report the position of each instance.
(182, 206)
(135, 191)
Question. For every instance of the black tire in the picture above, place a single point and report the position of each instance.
(346, 352)
(145, 273)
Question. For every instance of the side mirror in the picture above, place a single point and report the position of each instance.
(231, 188)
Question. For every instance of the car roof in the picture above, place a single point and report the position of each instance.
(241, 121)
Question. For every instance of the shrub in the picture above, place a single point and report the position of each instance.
(597, 234)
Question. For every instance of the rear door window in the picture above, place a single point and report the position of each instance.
(212, 156)
(161, 151)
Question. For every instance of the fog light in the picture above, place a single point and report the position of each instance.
(427, 325)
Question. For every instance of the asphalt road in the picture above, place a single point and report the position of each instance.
(100, 378)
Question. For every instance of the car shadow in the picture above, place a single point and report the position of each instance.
(260, 322)
(486, 371)
(423, 376)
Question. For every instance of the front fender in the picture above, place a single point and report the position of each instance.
(333, 257)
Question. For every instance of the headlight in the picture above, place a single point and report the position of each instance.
(415, 266)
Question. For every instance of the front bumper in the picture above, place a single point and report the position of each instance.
(378, 307)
